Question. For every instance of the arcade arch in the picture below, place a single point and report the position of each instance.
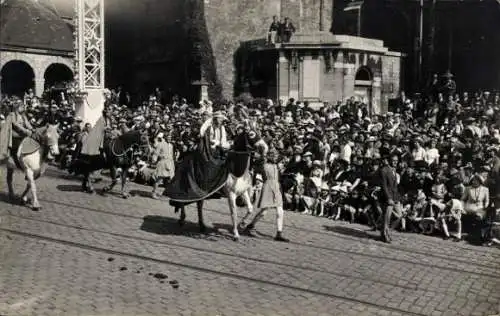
(57, 74)
(17, 78)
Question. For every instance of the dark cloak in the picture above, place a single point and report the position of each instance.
(197, 176)
(201, 175)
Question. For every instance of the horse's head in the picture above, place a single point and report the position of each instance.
(51, 140)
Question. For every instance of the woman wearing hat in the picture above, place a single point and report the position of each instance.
(476, 197)
(271, 195)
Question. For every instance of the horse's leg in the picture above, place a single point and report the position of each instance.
(85, 181)
(234, 214)
(124, 174)
(24, 196)
(10, 186)
(112, 171)
(31, 178)
(182, 219)
(248, 202)
(201, 222)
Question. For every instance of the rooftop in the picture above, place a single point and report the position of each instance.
(31, 24)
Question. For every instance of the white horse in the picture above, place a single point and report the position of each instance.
(32, 162)
(238, 184)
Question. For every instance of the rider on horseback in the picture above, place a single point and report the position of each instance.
(216, 133)
(14, 130)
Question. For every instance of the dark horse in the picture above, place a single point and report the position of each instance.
(230, 176)
(119, 152)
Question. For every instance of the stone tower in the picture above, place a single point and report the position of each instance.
(231, 22)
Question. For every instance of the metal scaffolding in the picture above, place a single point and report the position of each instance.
(89, 44)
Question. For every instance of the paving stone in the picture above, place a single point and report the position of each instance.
(56, 263)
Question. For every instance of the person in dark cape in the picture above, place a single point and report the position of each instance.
(201, 173)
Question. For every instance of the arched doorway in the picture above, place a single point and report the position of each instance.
(56, 75)
(363, 82)
(17, 78)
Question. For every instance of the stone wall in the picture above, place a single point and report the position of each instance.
(147, 39)
(230, 22)
(38, 62)
(391, 77)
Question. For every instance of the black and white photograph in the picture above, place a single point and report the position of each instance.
(249, 157)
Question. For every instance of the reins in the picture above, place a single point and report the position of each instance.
(131, 148)
(240, 152)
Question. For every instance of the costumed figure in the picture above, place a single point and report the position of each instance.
(93, 144)
(217, 134)
(270, 196)
(15, 128)
(200, 173)
(22, 147)
(164, 158)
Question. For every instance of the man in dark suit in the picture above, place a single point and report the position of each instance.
(390, 198)
(286, 30)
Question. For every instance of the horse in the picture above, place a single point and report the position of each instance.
(119, 152)
(238, 185)
(30, 157)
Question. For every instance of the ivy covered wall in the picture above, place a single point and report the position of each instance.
(172, 43)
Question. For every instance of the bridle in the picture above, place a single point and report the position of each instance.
(131, 150)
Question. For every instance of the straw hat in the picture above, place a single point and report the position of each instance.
(477, 177)
(219, 114)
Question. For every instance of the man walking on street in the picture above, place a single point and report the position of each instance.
(390, 198)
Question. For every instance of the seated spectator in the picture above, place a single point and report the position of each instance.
(453, 213)
(476, 197)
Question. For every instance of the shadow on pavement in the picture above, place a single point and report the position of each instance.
(69, 187)
(170, 226)
(4, 197)
(350, 232)
(141, 193)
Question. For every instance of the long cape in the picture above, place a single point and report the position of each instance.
(198, 175)
(92, 143)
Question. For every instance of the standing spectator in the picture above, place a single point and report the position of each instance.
(272, 36)
(159, 95)
(389, 199)
(419, 152)
(286, 30)
(432, 153)
(495, 181)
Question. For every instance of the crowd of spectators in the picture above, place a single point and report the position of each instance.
(447, 151)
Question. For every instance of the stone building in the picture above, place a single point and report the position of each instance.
(36, 47)
(319, 66)
(149, 41)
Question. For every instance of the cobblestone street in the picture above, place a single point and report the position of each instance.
(94, 255)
